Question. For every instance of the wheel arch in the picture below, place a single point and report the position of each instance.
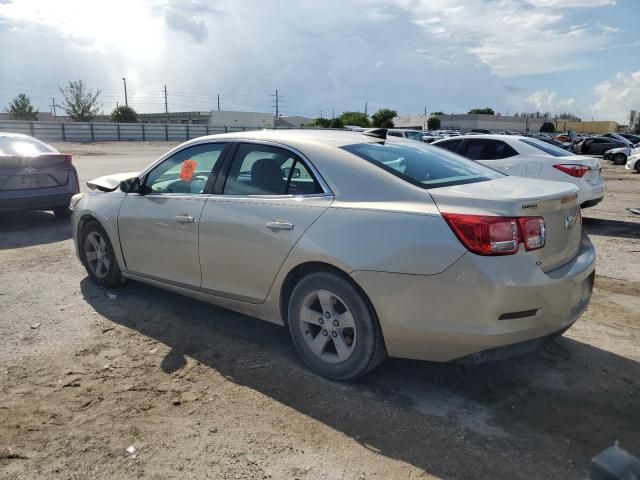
(303, 269)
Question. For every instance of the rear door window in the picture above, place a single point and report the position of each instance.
(451, 145)
(266, 170)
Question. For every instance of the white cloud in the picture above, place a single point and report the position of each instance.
(511, 37)
(570, 3)
(616, 97)
(547, 101)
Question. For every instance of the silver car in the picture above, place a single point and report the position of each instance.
(361, 247)
(35, 176)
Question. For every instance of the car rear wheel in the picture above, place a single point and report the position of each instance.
(619, 159)
(638, 166)
(62, 212)
(98, 256)
(333, 327)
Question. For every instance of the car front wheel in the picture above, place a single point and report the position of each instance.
(333, 328)
(98, 256)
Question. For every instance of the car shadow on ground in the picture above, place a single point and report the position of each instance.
(25, 229)
(542, 415)
(611, 228)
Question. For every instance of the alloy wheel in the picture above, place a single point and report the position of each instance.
(328, 326)
(97, 254)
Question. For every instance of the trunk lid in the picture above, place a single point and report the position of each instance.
(37, 171)
(556, 202)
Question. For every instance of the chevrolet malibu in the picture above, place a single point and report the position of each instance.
(360, 247)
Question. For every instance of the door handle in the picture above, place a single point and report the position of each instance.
(184, 218)
(279, 225)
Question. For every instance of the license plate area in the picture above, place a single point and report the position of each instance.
(24, 182)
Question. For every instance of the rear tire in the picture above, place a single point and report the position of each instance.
(98, 257)
(333, 328)
(62, 212)
(619, 159)
(638, 166)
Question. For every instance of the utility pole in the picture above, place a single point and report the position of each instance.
(277, 105)
(126, 102)
(424, 126)
(218, 102)
(365, 109)
(54, 105)
(166, 106)
(320, 113)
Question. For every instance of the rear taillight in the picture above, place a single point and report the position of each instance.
(488, 235)
(573, 170)
(533, 232)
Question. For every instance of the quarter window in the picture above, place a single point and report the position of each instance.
(265, 170)
(187, 171)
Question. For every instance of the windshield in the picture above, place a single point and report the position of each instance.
(423, 165)
(546, 148)
(26, 147)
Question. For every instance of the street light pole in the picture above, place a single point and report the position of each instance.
(126, 102)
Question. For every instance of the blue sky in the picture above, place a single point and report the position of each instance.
(449, 55)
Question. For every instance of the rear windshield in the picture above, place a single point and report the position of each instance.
(423, 165)
(23, 146)
(546, 148)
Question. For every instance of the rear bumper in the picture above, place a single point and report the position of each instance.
(457, 313)
(591, 203)
(35, 202)
(590, 194)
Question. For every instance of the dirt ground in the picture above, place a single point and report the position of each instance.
(201, 392)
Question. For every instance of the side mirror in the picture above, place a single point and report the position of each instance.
(131, 185)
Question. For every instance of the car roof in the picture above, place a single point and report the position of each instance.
(14, 135)
(294, 137)
(491, 136)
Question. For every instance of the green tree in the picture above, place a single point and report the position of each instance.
(320, 122)
(355, 118)
(21, 109)
(383, 118)
(437, 113)
(433, 123)
(548, 127)
(569, 116)
(80, 103)
(336, 123)
(486, 111)
(124, 114)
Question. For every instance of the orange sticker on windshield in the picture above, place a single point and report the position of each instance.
(188, 167)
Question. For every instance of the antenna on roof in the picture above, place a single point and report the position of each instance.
(376, 132)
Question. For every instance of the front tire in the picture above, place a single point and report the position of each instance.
(619, 159)
(98, 256)
(333, 327)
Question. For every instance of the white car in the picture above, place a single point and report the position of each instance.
(633, 162)
(528, 157)
(405, 133)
